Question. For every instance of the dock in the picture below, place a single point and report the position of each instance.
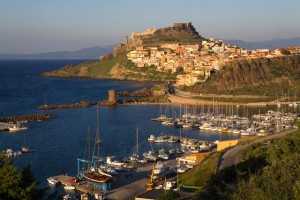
(82, 186)
(180, 139)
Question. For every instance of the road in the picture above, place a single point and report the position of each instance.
(233, 155)
(128, 189)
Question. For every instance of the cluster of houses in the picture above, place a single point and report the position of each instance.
(196, 61)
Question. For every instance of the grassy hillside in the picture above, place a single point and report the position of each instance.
(199, 175)
(117, 68)
(261, 76)
(269, 170)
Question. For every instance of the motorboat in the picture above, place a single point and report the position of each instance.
(160, 118)
(150, 156)
(169, 185)
(159, 187)
(26, 150)
(163, 155)
(110, 170)
(181, 169)
(17, 127)
(67, 197)
(173, 140)
(160, 139)
(151, 138)
(69, 187)
(52, 181)
(110, 160)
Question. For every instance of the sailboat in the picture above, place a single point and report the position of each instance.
(135, 156)
(26, 149)
(94, 173)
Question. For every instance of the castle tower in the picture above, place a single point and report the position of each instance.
(112, 97)
(126, 39)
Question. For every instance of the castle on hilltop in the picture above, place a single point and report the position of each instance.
(157, 36)
(139, 34)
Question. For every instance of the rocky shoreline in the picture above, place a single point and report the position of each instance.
(82, 104)
(27, 118)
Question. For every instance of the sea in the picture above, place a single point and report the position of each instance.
(57, 143)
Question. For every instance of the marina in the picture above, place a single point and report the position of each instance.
(59, 142)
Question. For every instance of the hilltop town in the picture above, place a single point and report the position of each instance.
(181, 55)
(197, 61)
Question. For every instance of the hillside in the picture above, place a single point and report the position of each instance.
(117, 67)
(263, 76)
(268, 170)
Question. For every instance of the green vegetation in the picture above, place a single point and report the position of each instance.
(285, 52)
(269, 170)
(116, 67)
(200, 174)
(14, 185)
(263, 76)
(170, 195)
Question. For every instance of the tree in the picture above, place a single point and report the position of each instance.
(14, 185)
(285, 52)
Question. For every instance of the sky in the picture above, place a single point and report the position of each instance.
(35, 26)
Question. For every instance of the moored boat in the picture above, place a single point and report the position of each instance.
(151, 138)
(26, 150)
(69, 187)
(52, 181)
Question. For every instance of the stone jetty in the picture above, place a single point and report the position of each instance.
(82, 104)
(27, 118)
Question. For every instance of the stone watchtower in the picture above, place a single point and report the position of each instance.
(112, 97)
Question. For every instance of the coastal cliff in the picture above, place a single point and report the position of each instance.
(265, 76)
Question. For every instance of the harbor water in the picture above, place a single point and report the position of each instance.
(59, 142)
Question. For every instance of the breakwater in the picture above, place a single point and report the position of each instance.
(82, 104)
(27, 118)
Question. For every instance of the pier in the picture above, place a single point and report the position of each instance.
(180, 139)
(82, 186)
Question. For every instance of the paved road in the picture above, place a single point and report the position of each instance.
(233, 155)
(128, 189)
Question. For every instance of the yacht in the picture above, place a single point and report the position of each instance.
(69, 187)
(182, 168)
(160, 139)
(150, 156)
(163, 155)
(110, 160)
(52, 181)
(17, 127)
(26, 150)
(151, 138)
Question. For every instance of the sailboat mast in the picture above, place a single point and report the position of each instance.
(137, 141)
(98, 137)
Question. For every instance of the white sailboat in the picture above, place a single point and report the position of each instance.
(95, 173)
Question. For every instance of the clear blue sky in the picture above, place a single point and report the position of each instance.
(32, 26)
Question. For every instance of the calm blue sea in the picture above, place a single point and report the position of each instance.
(59, 142)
